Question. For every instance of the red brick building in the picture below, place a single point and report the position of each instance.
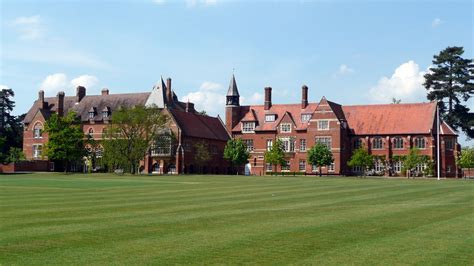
(386, 130)
(173, 154)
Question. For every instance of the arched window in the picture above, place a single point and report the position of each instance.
(38, 130)
(377, 143)
(90, 132)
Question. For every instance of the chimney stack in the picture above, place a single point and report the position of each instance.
(304, 97)
(41, 99)
(189, 107)
(169, 93)
(105, 91)
(268, 98)
(60, 107)
(80, 93)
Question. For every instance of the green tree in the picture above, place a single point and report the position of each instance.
(129, 136)
(361, 158)
(466, 159)
(276, 155)
(411, 161)
(65, 139)
(11, 128)
(236, 153)
(320, 155)
(202, 154)
(451, 79)
(15, 155)
(396, 101)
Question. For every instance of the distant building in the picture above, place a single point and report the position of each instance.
(387, 131)
(173, 154)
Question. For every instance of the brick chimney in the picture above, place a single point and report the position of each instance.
(60, 108)
(169, 93)
(41, 99)
(304, 97)
(105, 91)
(268, 98)
(80, 93)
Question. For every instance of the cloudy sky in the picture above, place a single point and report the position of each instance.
(351, 52)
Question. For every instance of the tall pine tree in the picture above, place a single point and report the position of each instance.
(11, 128)
(450, 82)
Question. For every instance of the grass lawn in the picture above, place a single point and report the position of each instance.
(104, 219)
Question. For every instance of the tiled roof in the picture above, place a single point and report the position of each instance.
(446, 129)
(279, 110)
(200, 126)
(385, 119)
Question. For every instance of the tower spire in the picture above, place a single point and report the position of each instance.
(233, 97)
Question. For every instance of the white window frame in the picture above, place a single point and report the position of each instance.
(38, 130)
(378, 140)
(287, 167)
(247, 144)
(248, 127)
(418, 141)
(305, 117)
(288, 144)
(269, 144)
(320, 124)
(379, 166)
(302, 145)
(285, 128)
(324, 142)
(302, 165)
(397, 166)
(270, 118)
(37, 151)
(398, 140)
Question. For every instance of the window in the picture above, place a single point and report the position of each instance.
(105, 114)
(323, 125)
(286, 167)
(305, 117)
(357, 169)
(288, 144)
(314, 168)
(398, 143)
(302, 144)
(420, 168)
(248, 127)
(325, 141)
(331, 167)
(161, 146)
(420, 143)
(377, 143)
(285, 128)
(38, 131)
(268, 167)
(37, 151)
(449, 143)
(302, 165)
(270, 118)
(357, 144)
(269, 144)
(397, 166)
(99, 151)
(248, 144)
(90, 132)
(379, 166)
(91, 114)
(448, 169)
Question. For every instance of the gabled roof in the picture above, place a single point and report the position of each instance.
(445, 129)
(279, 110)
(200, 126)
(250, 116)
(385, 119)
(233, 91)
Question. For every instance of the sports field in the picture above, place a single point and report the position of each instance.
(104, 219)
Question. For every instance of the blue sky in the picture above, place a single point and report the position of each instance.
(351, 52)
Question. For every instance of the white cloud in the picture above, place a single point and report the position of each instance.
(344, 69)
(210, 97)
(436, 22)
(255, 98)
(87, 81)
(29, 28)
(60, 82)
(3, 87)
(406, 84)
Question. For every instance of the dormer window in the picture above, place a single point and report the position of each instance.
(270, 118)
(305, 117)
(92, 113)
(285, 128)
(248, 127)
(106, 112)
